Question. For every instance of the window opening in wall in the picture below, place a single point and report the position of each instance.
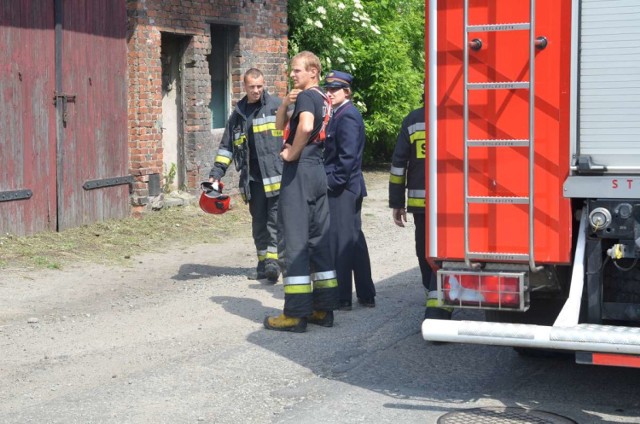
(224, 38)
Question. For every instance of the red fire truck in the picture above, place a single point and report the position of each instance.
(533, 182)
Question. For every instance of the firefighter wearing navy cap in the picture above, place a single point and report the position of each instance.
(251, 141)
(310, 284)
(408, 172)
(346, 189)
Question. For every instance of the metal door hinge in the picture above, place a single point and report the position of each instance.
(110, 182)
(8, 196)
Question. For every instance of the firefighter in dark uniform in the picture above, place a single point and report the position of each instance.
(252, 142)
(408, 171)
(310, 284)
(343, 165)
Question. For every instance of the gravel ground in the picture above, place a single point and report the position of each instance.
(176, 337)
(140, 343)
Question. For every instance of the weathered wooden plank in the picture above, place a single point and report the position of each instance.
(95, 138)
(27, 119)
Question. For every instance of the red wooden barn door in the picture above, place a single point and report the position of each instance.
(92, 111)
(27, 119)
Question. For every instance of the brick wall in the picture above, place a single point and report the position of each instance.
(262, 43)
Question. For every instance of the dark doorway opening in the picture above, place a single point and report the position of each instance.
(173, 48)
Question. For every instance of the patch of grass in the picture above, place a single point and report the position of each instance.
(43, 262)
(116, 241)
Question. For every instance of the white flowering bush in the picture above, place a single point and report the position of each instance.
(329, 29)
(381, 43)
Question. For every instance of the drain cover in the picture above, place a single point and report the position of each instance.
(502, 415)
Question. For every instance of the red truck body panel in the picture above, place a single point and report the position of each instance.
(502, 114)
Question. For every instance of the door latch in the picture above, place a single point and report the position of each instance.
(64, 98)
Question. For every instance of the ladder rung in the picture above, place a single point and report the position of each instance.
(499, 142)
(497, 85)
(498, 199)
(499, 256)
(499, 27)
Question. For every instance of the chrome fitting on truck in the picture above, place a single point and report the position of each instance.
(600, 218)
(615, 219)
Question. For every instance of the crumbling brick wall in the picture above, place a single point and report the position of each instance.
(262, 43)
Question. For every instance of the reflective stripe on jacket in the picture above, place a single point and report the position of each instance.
(268, 142)
(408, 164)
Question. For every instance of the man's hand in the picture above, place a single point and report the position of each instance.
(285, 153)
(215, 184)
(291, 97)
(284, 114)
(399, 215)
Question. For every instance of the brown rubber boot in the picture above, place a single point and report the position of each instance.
(323, 318)
(285, 323)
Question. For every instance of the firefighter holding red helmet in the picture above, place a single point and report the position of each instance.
(251, 141)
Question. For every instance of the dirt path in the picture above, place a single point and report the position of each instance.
(168, 338)
(177, 337)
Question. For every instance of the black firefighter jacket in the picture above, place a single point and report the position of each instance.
(408, 164)
(268, 143)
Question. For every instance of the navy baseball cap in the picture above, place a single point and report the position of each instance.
(337, 79)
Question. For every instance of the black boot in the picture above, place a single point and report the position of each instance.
(260, 271)
(271, 271)
(367, 303)
(437, 313)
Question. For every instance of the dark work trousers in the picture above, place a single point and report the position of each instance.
(428, 278)
(349, 247)
(303, 217)
(264, 221)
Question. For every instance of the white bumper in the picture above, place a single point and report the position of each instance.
(581, 337)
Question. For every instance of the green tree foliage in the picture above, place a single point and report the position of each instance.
(381, 43)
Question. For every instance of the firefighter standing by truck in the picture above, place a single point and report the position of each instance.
(310, 284)
(252, 142)
(408, 171)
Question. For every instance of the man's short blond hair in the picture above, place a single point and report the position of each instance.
(309, 60)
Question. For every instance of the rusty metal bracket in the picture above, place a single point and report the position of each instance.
(65, 98)
(71, 98)
(109, 182)
(8, 196)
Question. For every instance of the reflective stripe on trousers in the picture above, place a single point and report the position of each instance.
(264, 225)
(303, 219)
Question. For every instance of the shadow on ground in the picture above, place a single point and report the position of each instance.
(197, 271)
(382, 350)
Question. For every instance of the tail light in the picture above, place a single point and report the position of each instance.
(484, 290)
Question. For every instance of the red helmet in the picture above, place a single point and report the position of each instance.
(213, 201)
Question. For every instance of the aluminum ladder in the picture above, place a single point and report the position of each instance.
(495, 143)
